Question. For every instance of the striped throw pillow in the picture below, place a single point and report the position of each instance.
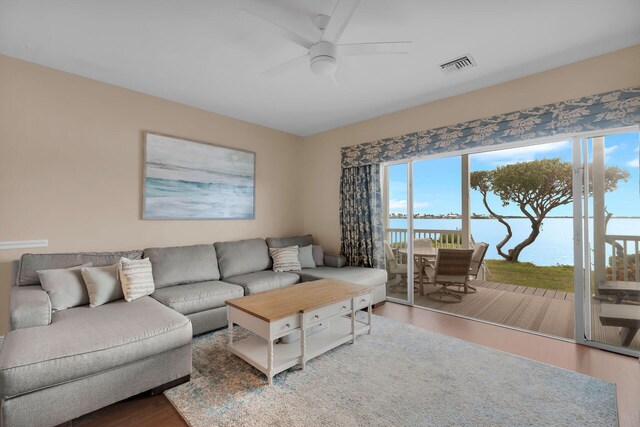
(285, 259)
(136, 278)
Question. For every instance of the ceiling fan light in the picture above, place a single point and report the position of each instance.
(323, 65)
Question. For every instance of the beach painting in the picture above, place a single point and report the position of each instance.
(192, 180)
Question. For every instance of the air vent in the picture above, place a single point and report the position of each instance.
(458, 64)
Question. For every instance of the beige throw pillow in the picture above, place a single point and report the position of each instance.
(136, 278)
(65, 287)
(102, 284)
(285, 259)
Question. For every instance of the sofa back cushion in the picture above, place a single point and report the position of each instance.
(242, 257)
(283, 242)
(31, 263)
(183, 264)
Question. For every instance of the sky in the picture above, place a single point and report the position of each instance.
(437, 182)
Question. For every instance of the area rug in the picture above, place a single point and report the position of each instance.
(400, 375)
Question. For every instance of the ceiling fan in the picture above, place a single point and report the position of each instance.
(323, 54)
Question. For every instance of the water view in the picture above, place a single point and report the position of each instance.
(552, 247)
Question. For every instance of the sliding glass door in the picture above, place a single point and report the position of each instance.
(607, 227)
(398, 225)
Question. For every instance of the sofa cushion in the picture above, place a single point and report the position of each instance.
(82, 341)
(183, 264)
(261, 281)
(31, 263)
(283, 242)
(371, 277)
(197, 297)
(242, 257)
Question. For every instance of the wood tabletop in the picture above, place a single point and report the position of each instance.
(427, 252)
(283, 302)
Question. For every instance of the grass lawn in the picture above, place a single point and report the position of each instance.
(527, 274)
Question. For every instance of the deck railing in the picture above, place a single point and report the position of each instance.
(397, 237)
(625, 258)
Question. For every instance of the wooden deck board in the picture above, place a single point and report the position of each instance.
(550, 312)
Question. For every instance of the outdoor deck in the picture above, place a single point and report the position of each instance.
(535, 309)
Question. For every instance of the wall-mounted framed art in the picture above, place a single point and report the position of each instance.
(185, 179)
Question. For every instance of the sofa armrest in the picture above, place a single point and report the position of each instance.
(28, 306)
(335, 261)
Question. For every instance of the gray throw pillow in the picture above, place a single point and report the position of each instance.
(305, 256)
(318, 255)
(65, 287)
(102, 283)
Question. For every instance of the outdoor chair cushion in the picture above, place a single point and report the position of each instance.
(197, 297)
(261, 281)
(242, 257)
(183, 264)
(371, 277)
(83, 341)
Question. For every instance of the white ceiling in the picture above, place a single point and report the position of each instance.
(201, 53)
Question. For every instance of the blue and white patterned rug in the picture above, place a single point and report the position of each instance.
(400, 375)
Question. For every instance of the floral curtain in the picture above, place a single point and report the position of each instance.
(361, 216)
(360, 194)
(591, 113)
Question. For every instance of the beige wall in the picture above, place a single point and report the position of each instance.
(71, 158)
(322, 151)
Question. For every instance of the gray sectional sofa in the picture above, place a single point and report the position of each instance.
(56, 366)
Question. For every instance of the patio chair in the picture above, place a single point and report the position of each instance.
(452, 269)
(479, 251)
(393, 266)
(428, 266)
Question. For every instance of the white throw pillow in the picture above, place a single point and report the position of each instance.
(136, 278)
(102, 284)
(285, 259)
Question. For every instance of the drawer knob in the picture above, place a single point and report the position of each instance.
(344, 307)
(316, 317)
(287, 325)
(362, 300)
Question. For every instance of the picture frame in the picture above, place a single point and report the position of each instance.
(185, 179)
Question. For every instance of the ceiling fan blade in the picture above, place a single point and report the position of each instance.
(285, 66)
(340, 18)
(374, 48)
(276, 28)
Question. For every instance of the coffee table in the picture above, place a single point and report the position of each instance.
(273, 314)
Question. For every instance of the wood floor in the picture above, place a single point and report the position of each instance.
(534, 309)
(624, 371)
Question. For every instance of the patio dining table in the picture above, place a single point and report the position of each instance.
(423, 256)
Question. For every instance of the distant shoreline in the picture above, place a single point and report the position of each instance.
(476, 216)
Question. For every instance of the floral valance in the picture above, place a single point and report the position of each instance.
(596, 112)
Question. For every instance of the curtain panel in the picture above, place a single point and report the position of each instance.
(360, 194)
(361, 216)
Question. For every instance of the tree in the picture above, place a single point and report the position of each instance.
(536, 187)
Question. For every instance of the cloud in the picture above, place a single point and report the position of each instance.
(395, 205)
(521, 154)
(633, 163)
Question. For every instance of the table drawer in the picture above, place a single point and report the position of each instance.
(362, 301)
(323, 313)
(285, 325)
